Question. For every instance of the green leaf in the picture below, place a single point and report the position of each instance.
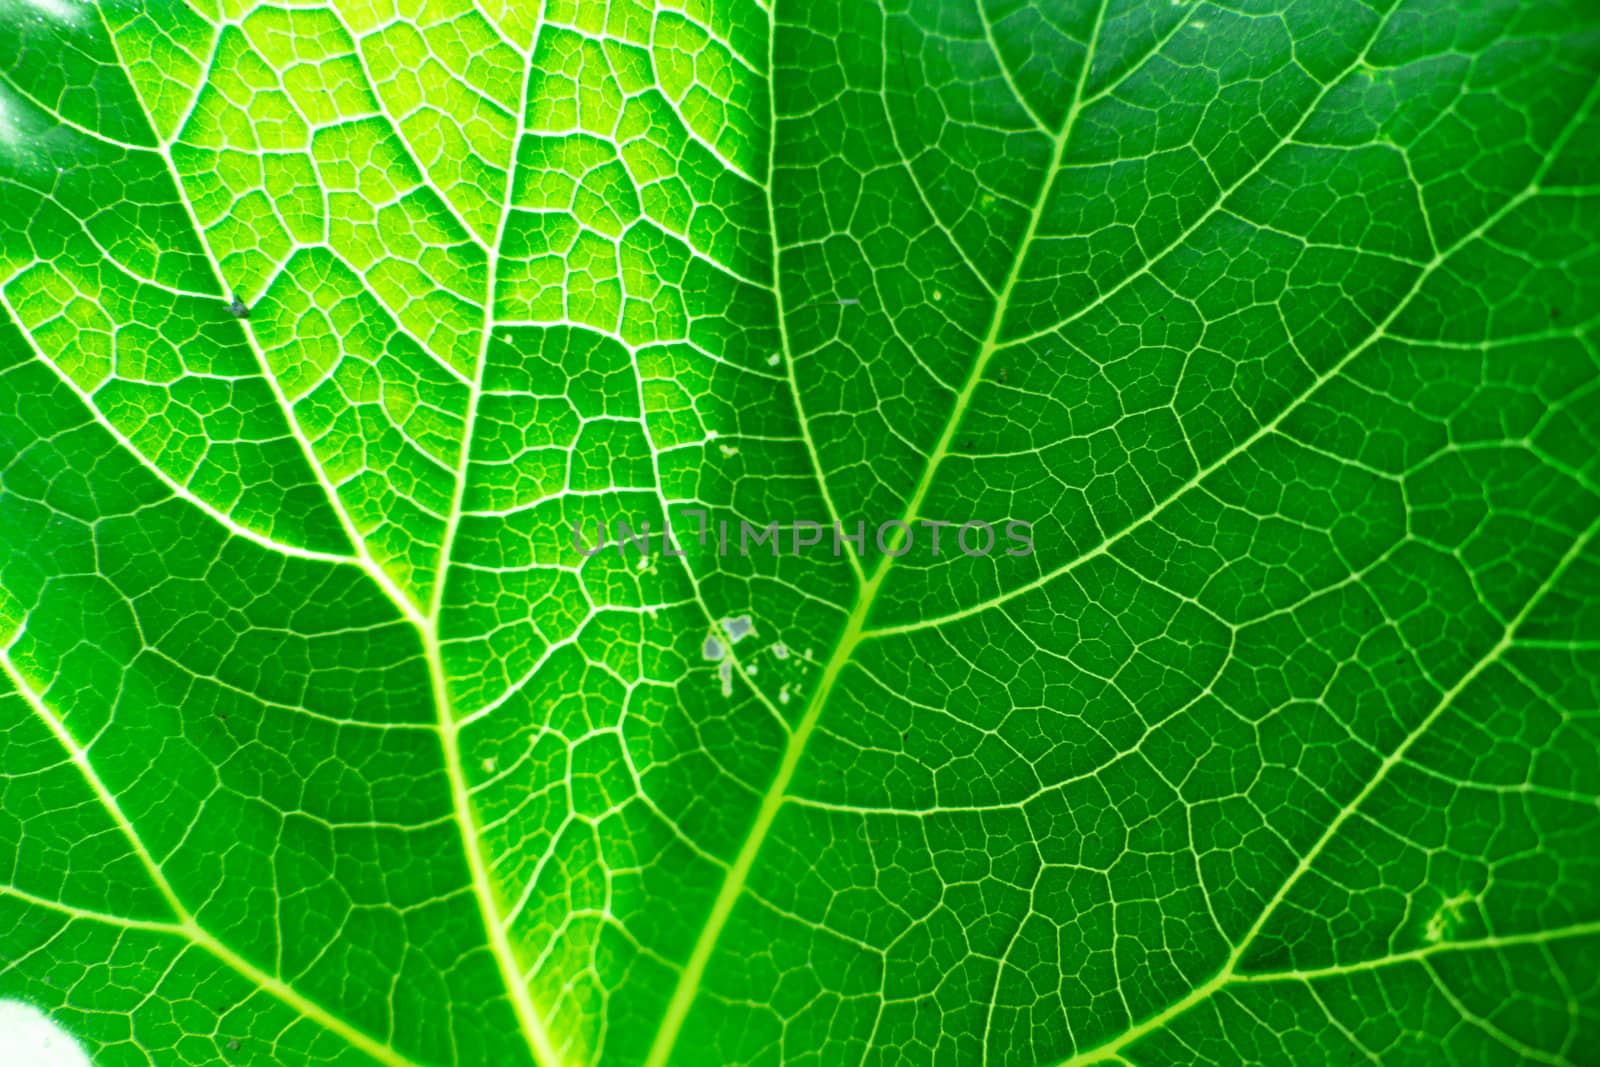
(325, 324)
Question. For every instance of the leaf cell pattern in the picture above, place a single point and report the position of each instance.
(325, 322)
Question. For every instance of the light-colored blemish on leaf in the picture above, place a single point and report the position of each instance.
(1446, 918)
(19, 138)
(59, 10)
(29, 1038)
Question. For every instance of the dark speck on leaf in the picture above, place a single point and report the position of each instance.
(1555, 313)
(238, 310)
(1003, 375)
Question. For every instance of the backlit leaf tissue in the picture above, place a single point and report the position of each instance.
(469, 481)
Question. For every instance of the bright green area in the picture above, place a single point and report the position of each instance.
(1279, 319)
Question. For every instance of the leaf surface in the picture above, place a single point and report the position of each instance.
(326, 324)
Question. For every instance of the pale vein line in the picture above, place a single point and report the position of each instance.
(1229, 972)
(787, 355)
(688, 987)
(1495, 1033)
(1481, 944)
(1217, 206)
(1378, 333)
(7, 82)
(187, 925)
(905, 162)
(202, 78)
(534, 1034)
(72, 911)
(125, 269)
(401, 600)
(1005, 72)
(517, 990)
(677, 112)
(282, 548)
(395, 124)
